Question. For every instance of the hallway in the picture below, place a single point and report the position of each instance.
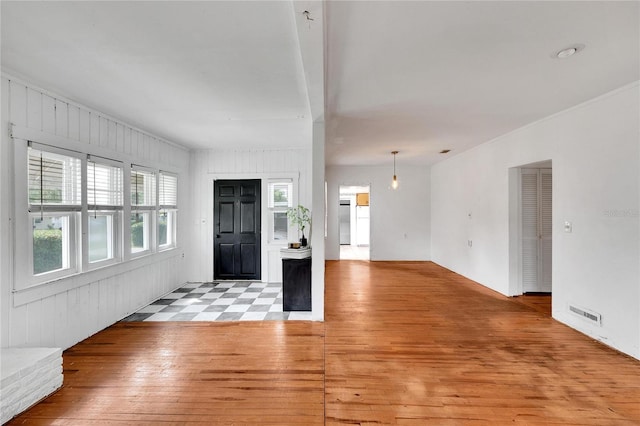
(403, 343)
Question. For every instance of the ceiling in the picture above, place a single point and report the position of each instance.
(417, 77)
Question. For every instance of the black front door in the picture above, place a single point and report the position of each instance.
(236, 246)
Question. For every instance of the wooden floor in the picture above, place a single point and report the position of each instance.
(403, 343)
(538, 301)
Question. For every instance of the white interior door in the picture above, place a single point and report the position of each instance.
(536, 193)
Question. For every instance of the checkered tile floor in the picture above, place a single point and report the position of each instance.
(220, 301)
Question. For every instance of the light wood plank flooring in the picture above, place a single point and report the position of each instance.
(403, 343)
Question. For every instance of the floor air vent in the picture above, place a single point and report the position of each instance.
(586, 314)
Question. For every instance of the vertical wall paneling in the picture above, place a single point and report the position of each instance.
(84, 126)
(74, 122)
(259, 160)
(18, 107)
(142, 142)
(60, 324)
(79, 309)
(146, 152)
(62, 118)
(48, 114)
(122, 299)
(94, 129)
(32, 331)
(119, 138)
(133, 141)
(74, 311)
(46, 322)
(103, 131)
(126, 140)
(112, 136)
(5, 193)
(94, 302)
(34, 109)
(18, 332)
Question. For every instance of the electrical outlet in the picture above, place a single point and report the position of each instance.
(470, 243)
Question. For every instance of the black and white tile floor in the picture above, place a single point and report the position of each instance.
(220, 301)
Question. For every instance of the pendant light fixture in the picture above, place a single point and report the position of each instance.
(394, 183)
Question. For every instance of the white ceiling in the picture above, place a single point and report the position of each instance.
(197, 73)
(418, 77)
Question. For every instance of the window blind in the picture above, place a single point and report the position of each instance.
(168, 190)
(54, 179)
(143, 188)
(104, 185)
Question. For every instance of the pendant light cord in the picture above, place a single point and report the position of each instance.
(394, 183)
(137, 176)
(41, 188)
(95, 201)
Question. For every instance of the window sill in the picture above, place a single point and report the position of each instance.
(70, 282)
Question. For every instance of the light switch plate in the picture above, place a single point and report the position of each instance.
(568, 227)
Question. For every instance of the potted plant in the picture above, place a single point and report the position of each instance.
(301, 217)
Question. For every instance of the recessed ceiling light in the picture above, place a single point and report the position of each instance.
(567, 51)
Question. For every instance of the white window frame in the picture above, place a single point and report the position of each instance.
(69, 247)
(170, 209)
(115, 211)
(148, 217)
(114, 241)
(172, 218)
(273, 209)
(72, 249)
(147, 210)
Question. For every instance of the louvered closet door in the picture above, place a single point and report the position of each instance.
(545, 246)
(536, 230)
(529, 230)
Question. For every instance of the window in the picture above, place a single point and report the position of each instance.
(54, 193)
(76, 203)
(101, 237)
(105, 193)
(52, 247)
(167, 215)
(280, 199)
(54, 179)
(143, 208)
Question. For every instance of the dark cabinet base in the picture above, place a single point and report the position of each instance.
(296, 284)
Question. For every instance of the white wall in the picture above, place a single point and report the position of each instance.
(596, 184)
(400, 225)
(210, 165)
(318, 215)
(63, 312)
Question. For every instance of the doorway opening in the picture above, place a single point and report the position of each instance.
(531, 236)
(354, 222)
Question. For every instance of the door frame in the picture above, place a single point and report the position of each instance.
(269, 253)
(353, 214)
(516, 286)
